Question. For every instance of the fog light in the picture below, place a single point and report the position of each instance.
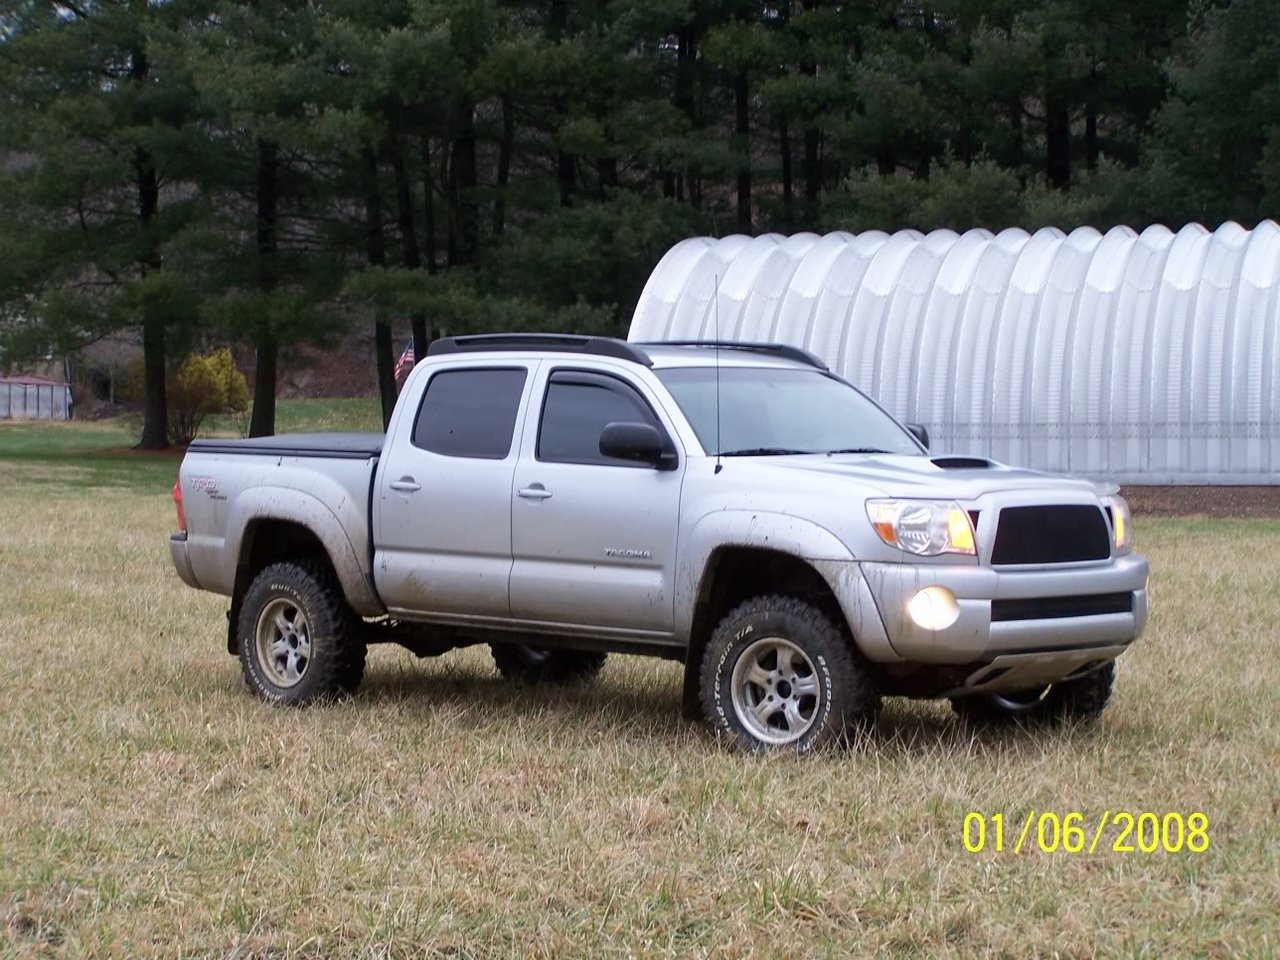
(934, 608)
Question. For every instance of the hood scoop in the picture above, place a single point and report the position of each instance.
(962, 463)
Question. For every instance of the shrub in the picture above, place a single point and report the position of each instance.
(204, 386)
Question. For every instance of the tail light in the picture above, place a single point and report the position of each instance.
(177, 502)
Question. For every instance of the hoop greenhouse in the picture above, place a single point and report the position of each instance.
(1141, 357)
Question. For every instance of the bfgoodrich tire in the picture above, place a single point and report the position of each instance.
(778, 674)
(298, 637)
(1081, 700)
(516, 661)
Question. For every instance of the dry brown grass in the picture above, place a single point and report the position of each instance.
(150, 806)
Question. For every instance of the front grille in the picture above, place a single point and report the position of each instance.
(1056, 534)
(1056, 608)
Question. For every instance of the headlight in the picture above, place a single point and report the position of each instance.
(1118, 511)
(926, 528)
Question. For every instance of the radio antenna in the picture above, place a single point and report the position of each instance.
(716, 319)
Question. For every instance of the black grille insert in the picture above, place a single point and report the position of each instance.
(1055, 534)
(1055, 608)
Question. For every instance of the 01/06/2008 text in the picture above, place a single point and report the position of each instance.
(1114, 832)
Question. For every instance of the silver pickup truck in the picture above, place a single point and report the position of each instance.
(734, 507)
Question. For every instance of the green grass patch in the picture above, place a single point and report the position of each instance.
(346, 414)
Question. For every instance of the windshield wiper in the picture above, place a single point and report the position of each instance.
(858, 450)
(762, 452)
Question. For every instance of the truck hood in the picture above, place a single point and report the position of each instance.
(892, 475)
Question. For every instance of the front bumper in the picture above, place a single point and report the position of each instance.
(887, 633)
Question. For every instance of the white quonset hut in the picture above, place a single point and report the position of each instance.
(1143, 358)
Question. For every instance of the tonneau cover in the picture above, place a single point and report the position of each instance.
(340, 446)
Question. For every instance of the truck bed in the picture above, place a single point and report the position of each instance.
(339, 446)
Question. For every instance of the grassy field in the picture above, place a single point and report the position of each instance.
(150, 806)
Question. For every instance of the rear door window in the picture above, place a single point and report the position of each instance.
(470, 413)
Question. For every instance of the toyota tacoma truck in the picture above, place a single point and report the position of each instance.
(734, 507)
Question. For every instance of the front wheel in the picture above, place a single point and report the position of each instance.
(1081, 700)
(516, 661)
(778, 674)
(298, 637)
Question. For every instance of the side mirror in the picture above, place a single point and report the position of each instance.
(638, 442)
(920, 433)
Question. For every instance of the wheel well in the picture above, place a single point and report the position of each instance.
(736, 574)
(265, 542)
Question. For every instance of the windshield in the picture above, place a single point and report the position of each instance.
(770, 410)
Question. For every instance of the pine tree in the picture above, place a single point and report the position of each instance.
(103, 139)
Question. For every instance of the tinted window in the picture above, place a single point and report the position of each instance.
(577, 409)
(470, 413)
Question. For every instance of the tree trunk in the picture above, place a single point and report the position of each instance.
(608, 175)
(566, 168)
(155, 411)
(1091, 139)
(685, 101)
(376, 251)
(788, 192)
(505, 146)
(429, 205)
(1058, 145)
(411, 257)
(462, 184)
(812, 155)
(742, 133)
(1091, 135)
(812, 167)
(155, 408)
(1091, 121)
(262, 422)
(1017, 148)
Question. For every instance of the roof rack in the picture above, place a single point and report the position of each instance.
(558, 342)
(786, 350)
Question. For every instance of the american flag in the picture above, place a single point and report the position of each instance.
(405, 363)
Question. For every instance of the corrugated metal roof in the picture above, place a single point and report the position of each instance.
(1143, 357)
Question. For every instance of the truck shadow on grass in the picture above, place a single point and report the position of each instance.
(479, 699)
(909, 729)
(611, 706)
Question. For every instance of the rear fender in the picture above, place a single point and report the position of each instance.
(330, 528)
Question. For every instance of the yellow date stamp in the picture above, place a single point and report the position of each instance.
(1119, 831)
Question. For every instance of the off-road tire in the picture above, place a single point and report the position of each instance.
(1081, 700)
(844, 701)
(527, 664)
(335, 665)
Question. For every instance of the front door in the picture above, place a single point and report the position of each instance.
(593, 538)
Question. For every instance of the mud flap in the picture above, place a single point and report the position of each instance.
(233, 617)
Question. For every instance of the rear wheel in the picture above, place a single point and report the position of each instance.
(1081, 699)
(517, 661)
(778, 674)
(298, 637)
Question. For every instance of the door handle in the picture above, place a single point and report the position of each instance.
(405, 485)
(535, 491)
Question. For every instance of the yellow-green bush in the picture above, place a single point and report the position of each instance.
(201, 387)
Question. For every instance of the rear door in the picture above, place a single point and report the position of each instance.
(443, 504)
(593, 538)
